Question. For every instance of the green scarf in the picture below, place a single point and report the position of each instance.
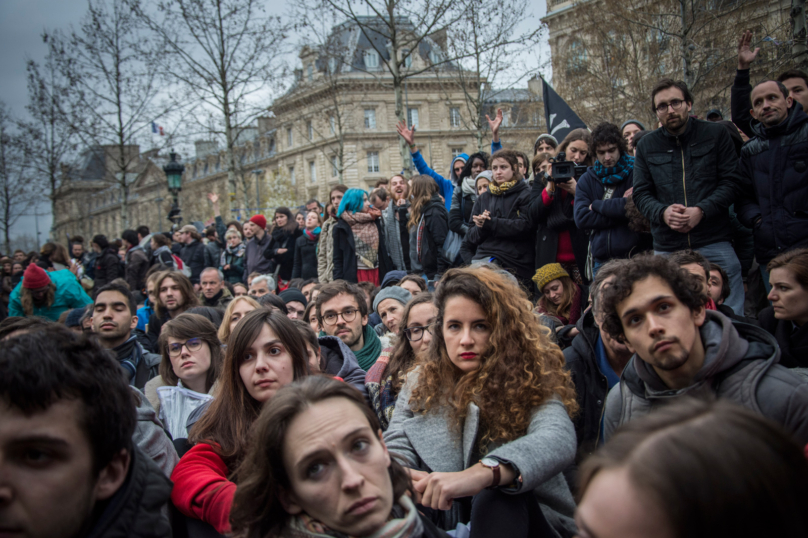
(366, 357)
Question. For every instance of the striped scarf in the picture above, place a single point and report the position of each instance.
(616, 174)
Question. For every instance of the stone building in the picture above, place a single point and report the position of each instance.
(335, 124)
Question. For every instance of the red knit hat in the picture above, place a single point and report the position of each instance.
(35, 277)
(259, 220)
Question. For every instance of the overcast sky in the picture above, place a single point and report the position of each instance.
(21, 25)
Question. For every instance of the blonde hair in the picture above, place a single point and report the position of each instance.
(224, 328)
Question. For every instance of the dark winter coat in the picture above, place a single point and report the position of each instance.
(137, 265)
(107, 267)
(698, 168)
(460, 212)
(254, 259)
(606, 222)
(436, 228)
(138, 508)
(548, 222)
(164, 256)
(740, 365)
(282, 239)
(212, 254)
(591, 386)
(345, 264)
(793, 343)
(508, 235)
(305, 265)
(193, 256)
(775, 163)
(338, 360)
(235, 262)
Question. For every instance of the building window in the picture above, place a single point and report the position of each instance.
(371, 59)
(332, 122)
(271, 148)
(456, 152)
(454, 116)
(313, 171)
(407, 57)
(370, 118)
(435, 56)
(412, 117)
(292, 179)
(310, 72)
(373, 162)
(289, 139)
(334, 166)
(310, 130)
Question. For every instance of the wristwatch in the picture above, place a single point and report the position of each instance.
(492, 464)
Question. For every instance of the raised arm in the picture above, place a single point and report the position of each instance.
(742, 89)
(494, 125)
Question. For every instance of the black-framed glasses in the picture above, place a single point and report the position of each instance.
(193, 344)
(675, 104)
(415, 334)
(348, 316)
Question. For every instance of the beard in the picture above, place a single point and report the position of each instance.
(672, 359)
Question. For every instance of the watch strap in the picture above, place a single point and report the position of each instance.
(497, 474)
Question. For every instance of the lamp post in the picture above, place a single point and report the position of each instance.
(174, 171)
(257, 173)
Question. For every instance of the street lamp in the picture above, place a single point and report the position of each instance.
(174, 171)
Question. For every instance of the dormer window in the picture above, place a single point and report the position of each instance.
(371, 59)
(310, 72)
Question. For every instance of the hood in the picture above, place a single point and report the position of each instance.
(433, 202)
(341, 362)
(796, 117)
(138, 507)
(588, 332)
(462, 157)
(726, 344)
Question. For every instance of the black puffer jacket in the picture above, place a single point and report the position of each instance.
(305, 265)
(436, 228)
(345, 264)
(138, 508)
(775, 163)
(193, 256)
(508, 235)
(107, 267)
(283, 239)
(697, 168)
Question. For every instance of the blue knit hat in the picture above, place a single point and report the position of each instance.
(635, 122)
(395, 292)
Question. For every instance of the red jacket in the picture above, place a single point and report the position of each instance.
(201, 488)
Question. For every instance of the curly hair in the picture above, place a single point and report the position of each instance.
(483, 156)
(686, 289)
(521, 368)
(606, 134)
(637, 222)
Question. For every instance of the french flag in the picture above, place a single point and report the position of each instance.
(157, 129)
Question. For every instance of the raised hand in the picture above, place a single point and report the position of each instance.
(495, 124)
(407, 134)
(213, 197)
(745, 53)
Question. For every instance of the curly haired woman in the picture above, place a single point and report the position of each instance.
(483, 421)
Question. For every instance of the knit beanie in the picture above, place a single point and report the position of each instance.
(629, 122)
(260, 221)
(293, 294)
(548, 273)
(74, 317)
(553, 141)
(396, 292)
(35, 277)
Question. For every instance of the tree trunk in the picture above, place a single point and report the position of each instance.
(687, 61)
(401, 115)
(799, 50)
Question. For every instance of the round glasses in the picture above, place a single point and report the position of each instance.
(415, 334)
(193, 344)
(675, 104)
(348, 316)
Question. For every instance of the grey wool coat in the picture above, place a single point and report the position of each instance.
(429, 442)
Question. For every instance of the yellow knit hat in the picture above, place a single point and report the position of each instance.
(548, 273)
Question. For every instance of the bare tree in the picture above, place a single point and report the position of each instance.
(19, 190)
(398, 30)
(486, 41)
(223, 54)
(51, 134)
(113, 88)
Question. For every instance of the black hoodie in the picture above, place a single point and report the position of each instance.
(436, 228)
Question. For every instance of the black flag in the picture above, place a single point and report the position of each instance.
(558, 114)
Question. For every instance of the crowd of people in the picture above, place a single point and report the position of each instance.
(509, 350)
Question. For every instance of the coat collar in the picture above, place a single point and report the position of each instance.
(430, 432)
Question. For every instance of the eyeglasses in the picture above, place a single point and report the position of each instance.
(675, 104)
(348, 316)
(192, 344)
(415, 334)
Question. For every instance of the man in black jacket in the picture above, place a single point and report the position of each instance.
(685, 178)
(795, 81)
(775, 162)
(193, 252)
(68, 463)
(595, 360)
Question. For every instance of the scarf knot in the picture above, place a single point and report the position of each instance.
(617, 173)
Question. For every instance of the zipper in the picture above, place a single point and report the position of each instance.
(684, 186)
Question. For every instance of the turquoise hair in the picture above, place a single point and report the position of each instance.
(353, 200)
